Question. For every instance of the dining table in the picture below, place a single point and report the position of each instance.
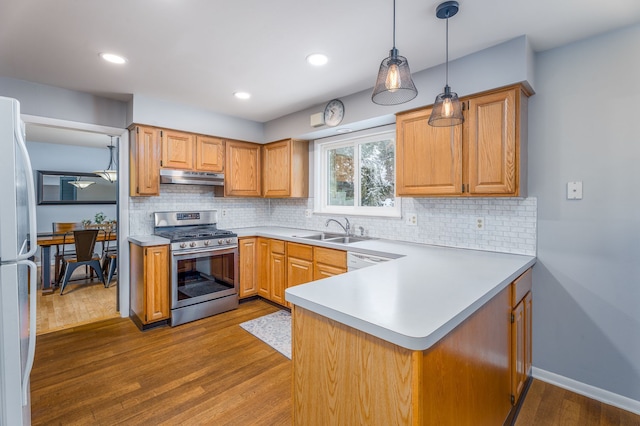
(48, 239)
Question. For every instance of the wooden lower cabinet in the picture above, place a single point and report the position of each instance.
(247, 256)
(342, 375)
(150, 283)
(299, 265)
(521, 336)
(328, 262)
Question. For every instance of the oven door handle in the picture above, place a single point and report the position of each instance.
(200, 251)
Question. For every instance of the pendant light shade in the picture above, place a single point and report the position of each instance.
(447, 110)
(394, 84)
(110, 173)
(81, 184)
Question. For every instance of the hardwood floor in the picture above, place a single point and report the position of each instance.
(209, 371)
(549, 405)
(84, 301)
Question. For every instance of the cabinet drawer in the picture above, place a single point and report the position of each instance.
(330, 257)
(300, 251)
(277, 246)
(520, 287)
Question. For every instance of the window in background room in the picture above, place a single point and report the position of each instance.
(356, 175)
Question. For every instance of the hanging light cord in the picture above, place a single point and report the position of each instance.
(394, 24)
(447, 54)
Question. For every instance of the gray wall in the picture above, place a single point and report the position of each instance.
(54, 102)
(583, 127)
(55, 157)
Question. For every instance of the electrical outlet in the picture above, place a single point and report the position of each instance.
(479, 223)
(224, 212)
(412, 219)
(308, 213)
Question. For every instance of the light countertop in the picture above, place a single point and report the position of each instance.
(412, 301)
(147, 240)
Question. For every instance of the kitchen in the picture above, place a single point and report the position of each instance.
(582, 324)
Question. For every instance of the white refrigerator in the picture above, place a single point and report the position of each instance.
(18, 243)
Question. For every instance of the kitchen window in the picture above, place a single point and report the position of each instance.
(356, 175)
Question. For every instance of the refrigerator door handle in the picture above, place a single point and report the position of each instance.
(33, 292)
(31, 193)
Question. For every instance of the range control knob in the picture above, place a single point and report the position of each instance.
(183, 245)
(192, 244)
(207, 242)
(228, 240)
(220, 241)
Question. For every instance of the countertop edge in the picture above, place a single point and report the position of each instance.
(147, 240)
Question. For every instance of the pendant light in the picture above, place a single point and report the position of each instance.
(82, 184)
(394, 85)
(110, 173)
(447, 110)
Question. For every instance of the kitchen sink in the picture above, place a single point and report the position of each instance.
(333, 238)
(348, 240)
(321, 237)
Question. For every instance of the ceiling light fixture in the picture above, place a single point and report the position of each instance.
(110, 173)
(242, 95)
(82, 184)
(447, 110)
(113, 58)
(394, 85)
(317, 59)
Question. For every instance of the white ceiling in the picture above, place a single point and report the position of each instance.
(198, 52)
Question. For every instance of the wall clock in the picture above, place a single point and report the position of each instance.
(334, 113)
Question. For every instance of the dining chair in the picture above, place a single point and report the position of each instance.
(84, 242)
(109, 255)
(62, 228)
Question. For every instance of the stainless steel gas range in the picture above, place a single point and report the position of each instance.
(204, 264)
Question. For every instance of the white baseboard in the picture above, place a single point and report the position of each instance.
(592, 392)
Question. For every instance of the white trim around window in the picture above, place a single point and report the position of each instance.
(339, 174)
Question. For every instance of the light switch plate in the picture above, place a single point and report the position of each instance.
(574, 190)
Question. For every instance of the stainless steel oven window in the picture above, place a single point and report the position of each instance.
(200, 276)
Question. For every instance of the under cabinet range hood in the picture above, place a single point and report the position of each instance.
(188, 177)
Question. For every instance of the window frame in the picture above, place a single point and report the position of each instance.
(321, 147)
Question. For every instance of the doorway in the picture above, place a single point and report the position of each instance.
(57, 145)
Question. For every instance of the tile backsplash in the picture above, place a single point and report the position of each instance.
(509, 223)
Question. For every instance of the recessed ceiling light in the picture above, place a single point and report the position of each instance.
(317, 59)
(113, 58)
(242, 95)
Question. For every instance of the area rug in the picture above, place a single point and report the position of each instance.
(273, 329)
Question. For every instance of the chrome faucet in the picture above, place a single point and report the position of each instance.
(346, 228)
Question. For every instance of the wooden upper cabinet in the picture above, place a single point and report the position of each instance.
(428, 159)
(486, 156)
(209, 154)
(286, 169)
(495, 143)
(144, 161)
(242, 169)
(177, 150)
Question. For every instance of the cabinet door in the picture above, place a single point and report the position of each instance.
(493, 147)
(144, 161)
(209, 154)
(157, 283)
(277, 276)
(264, 289)
(177, 150)
(428, 159)
(518, 351)
(299, 271)
(242, 169)
(320, 271)
(248, 267)
(528, 341)
(277, 169)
